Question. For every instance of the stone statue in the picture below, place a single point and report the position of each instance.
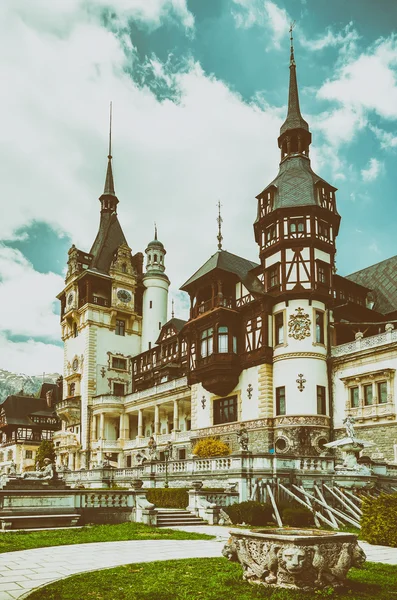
(12, 470)
(44, 474)
(140, 457)
(152, 448)
(242, 438)
(169, 449)
(349, 424)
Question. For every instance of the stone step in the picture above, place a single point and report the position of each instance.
(167, 517)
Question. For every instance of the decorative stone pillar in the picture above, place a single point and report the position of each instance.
(157, 419)
(71, 461)
(102, 426)
(140, 423)
(94, 428)
(176, 415)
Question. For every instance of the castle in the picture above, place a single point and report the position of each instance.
(284, 347)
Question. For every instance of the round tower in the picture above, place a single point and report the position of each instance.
(155, 296)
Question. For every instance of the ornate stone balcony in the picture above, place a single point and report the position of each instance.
(373, 411)
(69, 409)
(365, 343)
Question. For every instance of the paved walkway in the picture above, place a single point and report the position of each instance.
(23, 571)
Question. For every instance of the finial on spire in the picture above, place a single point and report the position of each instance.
(172, 311)
(155, 230)
(110, 132)
(292, 57)
(220, 221)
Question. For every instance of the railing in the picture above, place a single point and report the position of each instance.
(364, 343)
(244, 300)
(204, 307)
(385, 409)
(105, 445)
(70, 402)
(108, 399)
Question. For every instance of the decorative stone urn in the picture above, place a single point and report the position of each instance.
(197, 485)
(294, 558)
(136, 484)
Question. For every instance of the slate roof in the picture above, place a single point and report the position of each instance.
(176, 323)
(231, 263)
(109, 237)
(295, 184)
(381, 278)
(18, 409)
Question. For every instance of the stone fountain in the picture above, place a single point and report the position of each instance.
(294, 558)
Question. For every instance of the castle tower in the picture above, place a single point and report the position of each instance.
(101, 324)
(155, 295)
(296, 227)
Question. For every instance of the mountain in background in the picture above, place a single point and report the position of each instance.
(14, 383)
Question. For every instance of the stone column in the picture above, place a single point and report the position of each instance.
(157, 419)
(126, 427)
(140, 423)
(102, 426)
(176, 415)
(71, 461)
(121, 427)
(94, 428)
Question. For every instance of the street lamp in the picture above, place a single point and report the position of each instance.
(166, 456)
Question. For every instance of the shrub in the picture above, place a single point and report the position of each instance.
(211, 447)
(168, 497)
(250, 512)
(297, 517)
(379, 520)
(45, 450)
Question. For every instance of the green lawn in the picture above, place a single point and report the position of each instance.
(24, 540)
(206, 579)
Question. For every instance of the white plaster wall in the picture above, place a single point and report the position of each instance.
(358, 367)
(156, 292)
(249, 407)
(274, 258)
(320, 255)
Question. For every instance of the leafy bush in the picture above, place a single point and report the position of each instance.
(211, 447)
(250, 512)
(168, 497)
(379, 520)
(297, 517)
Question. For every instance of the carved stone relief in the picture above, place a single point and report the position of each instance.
(299, 325)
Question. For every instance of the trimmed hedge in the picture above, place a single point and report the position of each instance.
(379, 520)
(297, 517)
(250, 512)
(210, 447)
(168, 497)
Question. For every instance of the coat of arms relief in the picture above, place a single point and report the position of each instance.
(299, 325)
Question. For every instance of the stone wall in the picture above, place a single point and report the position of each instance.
(383, 436)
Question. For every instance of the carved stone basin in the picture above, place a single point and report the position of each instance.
(294, 558)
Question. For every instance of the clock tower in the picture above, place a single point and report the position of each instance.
(101, 320)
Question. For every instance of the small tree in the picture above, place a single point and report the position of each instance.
(45, 450)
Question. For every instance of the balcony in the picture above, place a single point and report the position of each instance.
(208, 305)
(384, 410)
(92, 299)
(365, 343)
(69, 409)
(219, 373)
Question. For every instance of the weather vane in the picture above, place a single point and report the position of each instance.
(291, 28)
(172, 312)
(110, 132)
(220, 221)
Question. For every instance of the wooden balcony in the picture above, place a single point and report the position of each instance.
(218, 373)
(208, 305)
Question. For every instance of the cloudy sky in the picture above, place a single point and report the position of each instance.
(199, 91)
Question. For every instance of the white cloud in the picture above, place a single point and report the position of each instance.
(27, 297)
(387, 139)
(30, 357)
(367, 82)
(267, 14)
(172, 160)
(346, 39)
(372, 171)
(278, 21)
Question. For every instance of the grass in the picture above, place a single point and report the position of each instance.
(206, 579)
(25, 540)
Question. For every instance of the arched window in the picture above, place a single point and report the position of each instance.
(124, 268)
(72, 389)
(155, 258)
(223, 339)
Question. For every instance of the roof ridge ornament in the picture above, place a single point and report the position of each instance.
(219, 237)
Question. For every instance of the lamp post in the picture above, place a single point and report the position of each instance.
(166, 456)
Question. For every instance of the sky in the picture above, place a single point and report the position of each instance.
(199, 91)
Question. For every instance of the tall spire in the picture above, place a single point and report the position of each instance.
(294, 118)
(109, 183)
(220, 221)
(155, 230)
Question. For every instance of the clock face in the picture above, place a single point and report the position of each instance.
(75, 364)
(124, 296)
(70, 298)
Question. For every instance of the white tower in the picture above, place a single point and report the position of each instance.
(155, 296)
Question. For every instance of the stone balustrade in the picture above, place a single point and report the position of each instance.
(364, 343)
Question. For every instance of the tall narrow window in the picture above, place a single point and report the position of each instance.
(279, 328)
(319, 327)
(207, 342)
(382, 392)
(223, 339)
(368, 396)
(150, 303)
(323, 273)
(72, 389)
(273, 276)
(354, 398)
(321, 400)
(75, 330)
(120, 327)
(280, 400)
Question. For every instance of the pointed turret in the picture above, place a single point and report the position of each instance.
(109, 199)
(295, 137)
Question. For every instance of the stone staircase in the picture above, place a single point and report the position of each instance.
(169, 517)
